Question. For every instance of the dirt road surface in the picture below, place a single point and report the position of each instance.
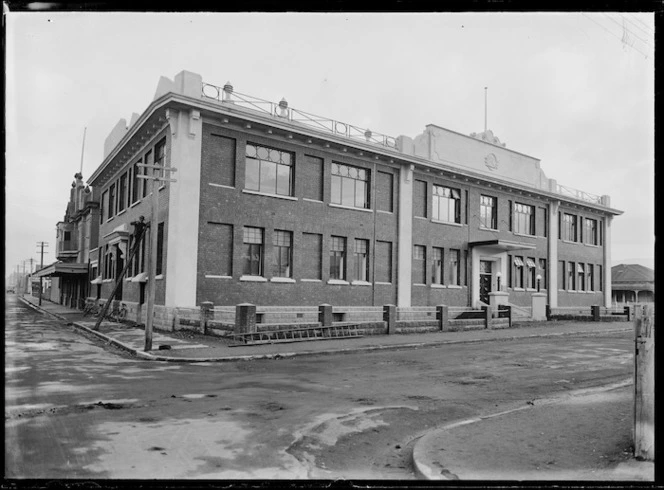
(76, 410)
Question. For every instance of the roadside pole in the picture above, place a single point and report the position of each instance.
(644, 383)
(41, 266)
(155, 179)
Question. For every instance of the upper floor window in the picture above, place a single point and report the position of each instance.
(253, 251)
(568, 227)
(122, 192)
(159, 157)
(269, 170)
(111, 201)
(591, 231)
(524, 219)
(350, 186)
(488, 212)
(446, 204)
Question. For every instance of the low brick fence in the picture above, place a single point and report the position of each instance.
(589, 314)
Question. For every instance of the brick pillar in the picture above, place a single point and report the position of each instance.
(206, 314)
(245, 318)
(390, 318)
(325, 315)
(594, 310)
(487, 316)
(443, 316)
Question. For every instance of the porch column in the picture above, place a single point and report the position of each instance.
(552, 276)
(405, 234)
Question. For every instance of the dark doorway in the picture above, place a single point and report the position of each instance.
(485, 280)
(118, 274)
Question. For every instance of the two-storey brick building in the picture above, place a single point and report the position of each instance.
(275, 206)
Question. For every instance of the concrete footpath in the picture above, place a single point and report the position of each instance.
(584, 435)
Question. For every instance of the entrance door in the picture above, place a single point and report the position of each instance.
(485, 280)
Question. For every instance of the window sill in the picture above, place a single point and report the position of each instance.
(438, 286)
(523, 234)
(311, 280)
(454, 286)
(384, 212)
(267, 194)
(212, 276)
(312, 200)
(283, 280)
(519, 289)
(361, 283)
(107, 280)
(488, 229)
(253, 278)
(121, 212)
(221, 185)
(338, 282)
(382, 283)
(419, 284)
(421, 217)
(450, 223)
(110, 219)
(352, 208)
(134, 203)
(592, 245)
(162, 187)
(160, 277)
(568, 241)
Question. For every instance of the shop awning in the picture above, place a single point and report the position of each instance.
(530, 263)
(59, 269)
(579, 268)
(518, 262)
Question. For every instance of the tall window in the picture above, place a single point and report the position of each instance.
(488, 214)
(437, 266)
(446, 204)
(543, 273)
(253, 251)
(122, 192)
(600, 277)
(283, 253)
(338, 258)
(453, 276)
(571, 275)
(569, 227)
(160, 248)
(350, 186)
(148, 161)
(419, 264)
(590, 277)
(524, 219)
(159, 157)
(136, 185)
(561, 274)
(532, 272)
(361, 260)
(111, 201)
(518, 272)
(269, 170)
(591, 231)
(581, 274)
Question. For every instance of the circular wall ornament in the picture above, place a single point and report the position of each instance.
(491, 161)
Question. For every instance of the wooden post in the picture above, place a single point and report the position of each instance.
(644, 383)
(390, 318)
(152, 270)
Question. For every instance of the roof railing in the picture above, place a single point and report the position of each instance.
(281, 110)
(584, 196)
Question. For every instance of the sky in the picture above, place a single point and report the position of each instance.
(575, 90)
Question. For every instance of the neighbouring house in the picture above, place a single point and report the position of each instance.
(77, 236)
(275, 206)
(632, 283)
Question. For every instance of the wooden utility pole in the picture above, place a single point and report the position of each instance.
(155, 179)
(644, 382)
(41, 266)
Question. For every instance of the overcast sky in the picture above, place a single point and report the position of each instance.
(574, 90)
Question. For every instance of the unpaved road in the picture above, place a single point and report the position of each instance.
(75, 410)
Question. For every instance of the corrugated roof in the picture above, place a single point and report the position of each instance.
(631, 273)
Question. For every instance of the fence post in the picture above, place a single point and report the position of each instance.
(627, 311)
(245, 318)
(508, 308)
(390, 318)
(548, 312)
(487, 316)
(206, 314)
(594, 310)
(325, 315)
(443, 316)
(644, 383)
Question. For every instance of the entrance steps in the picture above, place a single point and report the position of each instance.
(343, 331)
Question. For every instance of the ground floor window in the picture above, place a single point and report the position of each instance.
(518, 272)
(543, 273)
(338, 258)
(252, 255)
(419, 264)
(454, 278)
(590, 275)
(571, 276)
(361, 260)
(437, 266)
(532, 272)
(282, 249)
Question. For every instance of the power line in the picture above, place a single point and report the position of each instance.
(636, 25)
(613, 34)
(626, 29)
